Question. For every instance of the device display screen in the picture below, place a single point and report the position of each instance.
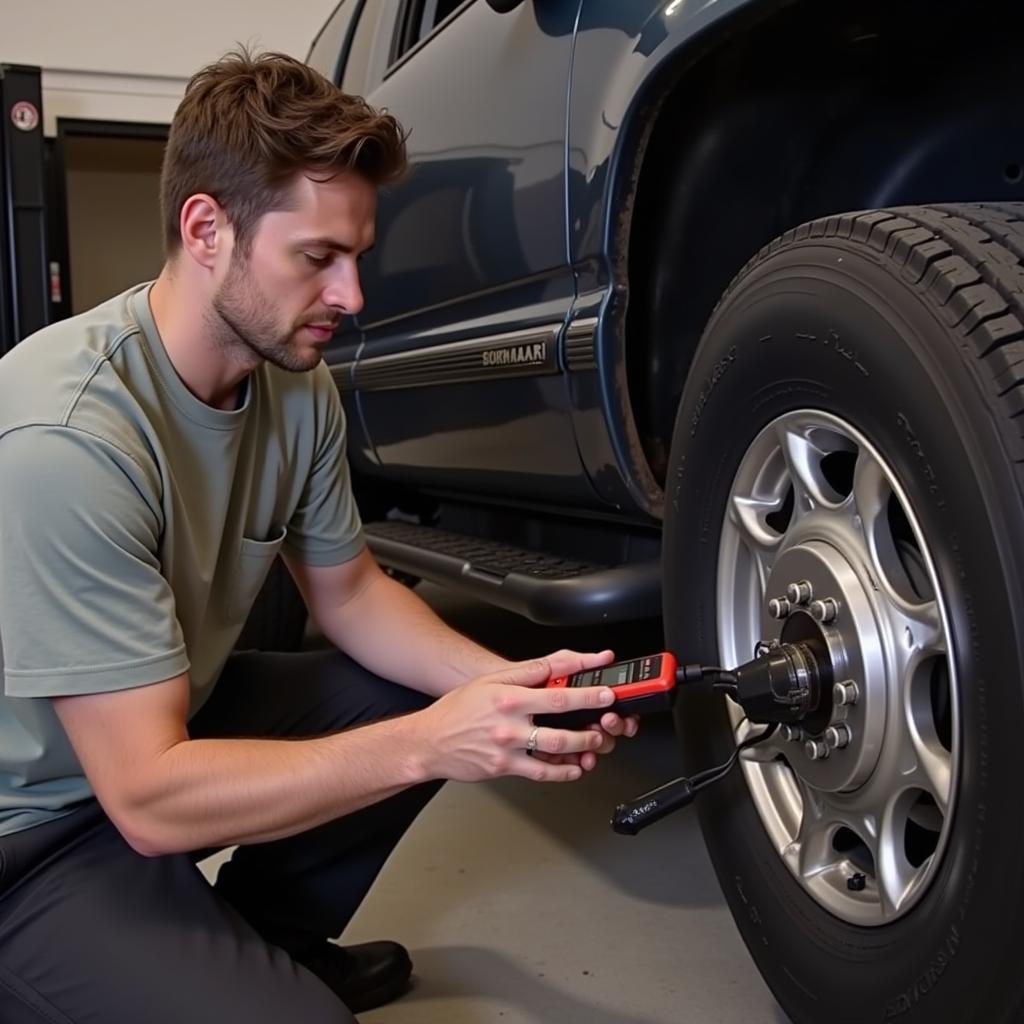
(624, 672)
(617, 675)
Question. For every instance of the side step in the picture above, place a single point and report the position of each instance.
(546, 588)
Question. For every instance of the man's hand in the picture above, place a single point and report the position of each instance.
(565, 663)
(610, 727)
(481, 730)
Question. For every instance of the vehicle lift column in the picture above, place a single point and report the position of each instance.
(24, 268)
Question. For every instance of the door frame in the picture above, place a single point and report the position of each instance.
(56, 187)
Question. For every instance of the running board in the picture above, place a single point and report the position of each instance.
(546, 588)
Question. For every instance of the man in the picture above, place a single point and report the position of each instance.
(156, 454)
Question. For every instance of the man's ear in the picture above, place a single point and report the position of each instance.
(205, 231)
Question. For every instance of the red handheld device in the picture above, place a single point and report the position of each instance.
(641, 685)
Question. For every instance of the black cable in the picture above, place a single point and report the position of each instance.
(698, 673)
(723, 681)
(629, 818)
(711, 775)
(723, 674)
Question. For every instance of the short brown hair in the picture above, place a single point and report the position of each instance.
(248, 124)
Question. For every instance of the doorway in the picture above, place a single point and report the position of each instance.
(108, 188)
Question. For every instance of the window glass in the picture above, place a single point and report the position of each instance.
(434, 12)
(421, 18)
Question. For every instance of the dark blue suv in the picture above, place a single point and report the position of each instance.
(715, 308)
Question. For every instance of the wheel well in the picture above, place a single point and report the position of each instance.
(819, 109)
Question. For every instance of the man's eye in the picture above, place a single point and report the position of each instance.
(317, 261)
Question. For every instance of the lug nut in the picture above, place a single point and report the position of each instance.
(778, 607)
(816, 750)
(824, 611)
(846, 692)
(799, 593)
(838, 736)
(792, 733)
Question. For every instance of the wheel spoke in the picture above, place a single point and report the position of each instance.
(895, 875)
(748, 514)
(917, 620)
(923, 633)
(803, 463)
(923, 760)
(935, 773)
(812, 852)
(871, 491)
(924, 763)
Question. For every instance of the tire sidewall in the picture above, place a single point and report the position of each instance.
(828, 326)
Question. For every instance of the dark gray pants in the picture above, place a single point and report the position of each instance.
(93, 933)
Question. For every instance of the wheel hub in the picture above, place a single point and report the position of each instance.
(837, 746)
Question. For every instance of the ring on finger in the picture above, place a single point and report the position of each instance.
(531, 741)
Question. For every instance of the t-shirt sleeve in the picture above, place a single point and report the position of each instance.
(83, 604)
(325, 528)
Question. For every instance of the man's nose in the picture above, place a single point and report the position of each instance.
(344, 291)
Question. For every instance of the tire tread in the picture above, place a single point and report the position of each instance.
(967, 259)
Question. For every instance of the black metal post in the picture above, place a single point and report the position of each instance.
(24, 268)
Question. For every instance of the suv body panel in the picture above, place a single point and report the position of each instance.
(471, 271)
(487, 241)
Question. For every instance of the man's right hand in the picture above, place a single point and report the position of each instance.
(480, 730)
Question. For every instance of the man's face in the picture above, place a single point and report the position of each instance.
(301, 276)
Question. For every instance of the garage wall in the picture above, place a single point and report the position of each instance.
(128, 60)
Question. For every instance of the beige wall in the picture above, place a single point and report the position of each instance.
(152, 37)
(113, 215)
(128, 61)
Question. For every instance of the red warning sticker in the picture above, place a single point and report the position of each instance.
(25, 115)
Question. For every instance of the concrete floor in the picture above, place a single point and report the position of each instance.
(521, 906)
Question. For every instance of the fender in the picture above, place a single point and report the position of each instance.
(626, 59)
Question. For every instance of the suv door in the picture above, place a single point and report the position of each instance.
(469, 285)
(329, 54)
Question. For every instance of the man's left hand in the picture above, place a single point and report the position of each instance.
(611, 726)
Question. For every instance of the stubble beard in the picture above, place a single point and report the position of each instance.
(244, 324)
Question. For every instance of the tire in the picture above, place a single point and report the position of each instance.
(277, 621)
(882, 354)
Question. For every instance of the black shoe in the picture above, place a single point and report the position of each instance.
(363, 977)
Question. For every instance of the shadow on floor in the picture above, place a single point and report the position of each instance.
(666, 864)
(466, 971)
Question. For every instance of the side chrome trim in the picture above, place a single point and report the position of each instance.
(526, 353)
(579, 345)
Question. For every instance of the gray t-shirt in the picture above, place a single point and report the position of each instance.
(137, 525)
